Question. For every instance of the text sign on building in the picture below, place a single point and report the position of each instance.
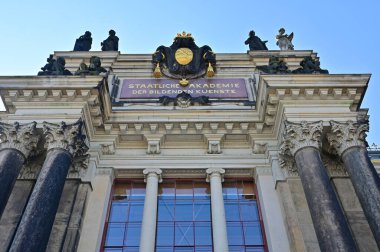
(155, 88)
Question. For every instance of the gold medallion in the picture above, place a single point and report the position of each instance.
(183, 56)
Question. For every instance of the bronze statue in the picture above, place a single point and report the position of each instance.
(94, 68)
(83, 43)
(111, 43)
(275, 66)
(54, 67)
(255, 43)
(310, 65)
(284, 41)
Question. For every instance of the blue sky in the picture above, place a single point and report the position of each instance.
(345, 34)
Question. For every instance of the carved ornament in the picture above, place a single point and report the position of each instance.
(21, 137)
(346, 135)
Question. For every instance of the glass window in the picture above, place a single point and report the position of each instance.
(184, 216)
(125, 217)
(243, 222)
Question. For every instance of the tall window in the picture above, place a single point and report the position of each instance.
(125, 217)
(243, 222)
(184, 217)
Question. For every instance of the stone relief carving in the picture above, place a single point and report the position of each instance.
(347, 134)
(21, 137)
(275, 66)
(108, 149)
(214, 147)
(153, 147)
(333, 166)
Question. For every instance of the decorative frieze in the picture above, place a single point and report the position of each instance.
(345, 135)
(21, 137)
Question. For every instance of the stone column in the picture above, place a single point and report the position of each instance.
(17, 142)
(149, 221)
(63, 143)
(303, 141)
(348, 140)
(219, 226)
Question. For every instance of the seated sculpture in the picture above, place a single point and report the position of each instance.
(310, 65)
(255, 43)
(284, 41)
(94, 68)
(275, 66)
(83, 43)
(111, 43)
(54, 67)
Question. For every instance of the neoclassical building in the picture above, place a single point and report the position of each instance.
(188, 151)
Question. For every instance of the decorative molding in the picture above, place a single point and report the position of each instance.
(215, 172)
(21, 137)
(152, 172)
(108, 149)
(214, 147)
(345, 135)
(259, 148)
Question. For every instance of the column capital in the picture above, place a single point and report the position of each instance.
(345, 135)
(65, 136)
(21, 137)
(152, 172)
(219, 172)
(300, 135)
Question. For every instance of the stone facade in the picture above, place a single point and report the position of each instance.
(284, 136)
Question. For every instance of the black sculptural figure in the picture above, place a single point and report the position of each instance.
(255, 43)
(310, 65)
(95, 67)
(275, 66)
(111, 43)
(54, 67)
(184, 59)
(83, 43)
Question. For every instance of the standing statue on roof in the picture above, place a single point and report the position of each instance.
(284, 41)
(111, 43)
(255, 43)
(83, 43)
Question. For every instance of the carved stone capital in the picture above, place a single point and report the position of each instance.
(21, 137)
(152, 172)
(300, 135)
(219, 172)
(65, 136)
(346, 135)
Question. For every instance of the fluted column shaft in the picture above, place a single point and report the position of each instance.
(63, 143)
(303, 141)
(17, 142)
(149, 221)
(348, 139)
(219, 226)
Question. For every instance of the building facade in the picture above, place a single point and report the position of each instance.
(236, 155)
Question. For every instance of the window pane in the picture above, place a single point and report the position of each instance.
(131, 249)
(115, 234)
(202, 210)
(165, 210)
(254, 249)
(232, 210)
(113, 250)
(122, 189)
(248, 210)
(184, 210)
(236, 249)
(252, 233)
(203, 249)
(166, 188)
(201, 191)
(138, 191)
(119, 212)
(183, 249)
(164, 249)
(203, 233)
(248, 188)
(165, 234)
(234, 233)
(184, 234)
(132, 237)
(184, 190)
(229, 190)
(136, 211)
